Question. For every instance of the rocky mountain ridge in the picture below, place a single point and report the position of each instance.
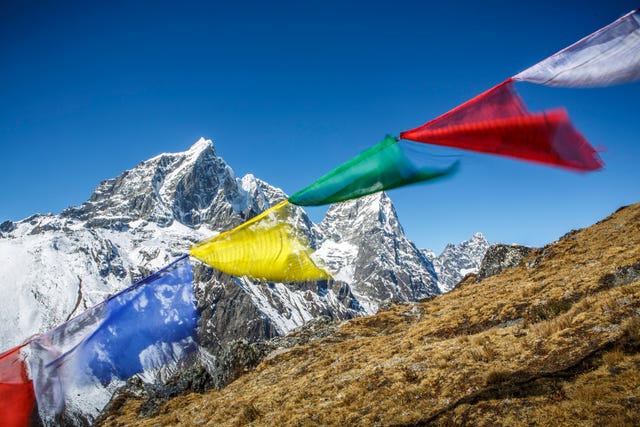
(364, 242)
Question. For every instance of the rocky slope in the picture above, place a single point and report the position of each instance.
(554, 340)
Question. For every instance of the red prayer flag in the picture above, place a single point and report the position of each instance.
(17, 398)
(498, 122)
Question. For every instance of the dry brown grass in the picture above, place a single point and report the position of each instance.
(549, 344)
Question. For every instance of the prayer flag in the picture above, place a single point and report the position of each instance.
(267, 247)
(148, 326)
(609, 56)
(384, 166)
(17, 398)
(498, 122)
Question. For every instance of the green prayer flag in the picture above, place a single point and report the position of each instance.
(381, 167)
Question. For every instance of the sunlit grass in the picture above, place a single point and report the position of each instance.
(553, 342)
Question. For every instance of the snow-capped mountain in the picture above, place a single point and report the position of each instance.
(192, 188)
(456, 261)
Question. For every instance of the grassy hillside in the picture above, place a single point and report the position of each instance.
(554, 341)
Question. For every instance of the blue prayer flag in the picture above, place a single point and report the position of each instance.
(147, 326)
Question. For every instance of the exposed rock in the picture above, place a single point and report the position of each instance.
(542, 254)
(622, 276)
(7, 226)
(500, 257)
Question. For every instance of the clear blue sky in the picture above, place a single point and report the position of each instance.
(288, 90)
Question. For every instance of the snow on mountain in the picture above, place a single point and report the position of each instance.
(456, 261)
(53, 268)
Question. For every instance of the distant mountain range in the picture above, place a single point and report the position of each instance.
(55, 266)
(456, 261)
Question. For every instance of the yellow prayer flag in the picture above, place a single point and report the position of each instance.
(267, 247)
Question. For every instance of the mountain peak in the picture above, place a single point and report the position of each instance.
(478, 237)
(192, 187)
(374, 211)
(201, 145)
